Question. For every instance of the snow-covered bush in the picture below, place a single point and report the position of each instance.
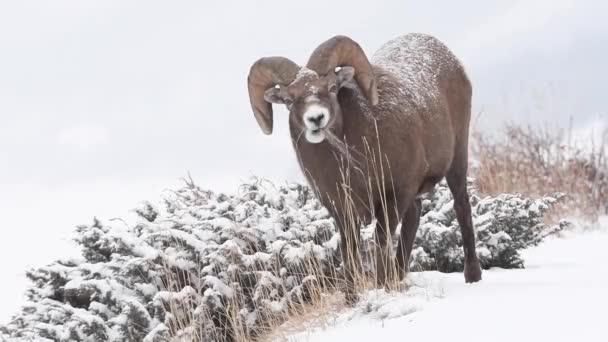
(213, 267)
(504, 225)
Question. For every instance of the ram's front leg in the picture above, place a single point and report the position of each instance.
(351, 262)
(389, 213)
(387, 218)
(349, 218)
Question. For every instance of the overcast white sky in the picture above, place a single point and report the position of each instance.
(106, 103)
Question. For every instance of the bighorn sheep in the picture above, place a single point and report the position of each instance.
(406, 113)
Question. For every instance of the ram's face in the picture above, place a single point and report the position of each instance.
(312, 102)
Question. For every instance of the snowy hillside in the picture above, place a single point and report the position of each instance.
(562, 295)
(207, 266)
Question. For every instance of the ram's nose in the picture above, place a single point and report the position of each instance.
(316, 119)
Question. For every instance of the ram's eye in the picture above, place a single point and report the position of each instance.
(333, 88)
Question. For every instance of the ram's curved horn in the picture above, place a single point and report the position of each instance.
(342, 51)
(266, 73)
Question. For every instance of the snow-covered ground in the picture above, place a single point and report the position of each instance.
(562, 295)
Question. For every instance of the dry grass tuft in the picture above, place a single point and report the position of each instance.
(537, 161)
(322, 300)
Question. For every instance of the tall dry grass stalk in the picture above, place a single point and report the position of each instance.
(323, 296)
(537, 161)
(357, 208)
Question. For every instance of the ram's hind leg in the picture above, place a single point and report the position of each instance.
(457, 181)
(409, 227)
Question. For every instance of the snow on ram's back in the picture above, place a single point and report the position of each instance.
(207, 266)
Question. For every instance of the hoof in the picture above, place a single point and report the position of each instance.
(402, 272)
(381, 282)
(472, 271)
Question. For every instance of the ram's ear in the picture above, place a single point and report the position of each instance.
(274, 95)
(345, 77)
